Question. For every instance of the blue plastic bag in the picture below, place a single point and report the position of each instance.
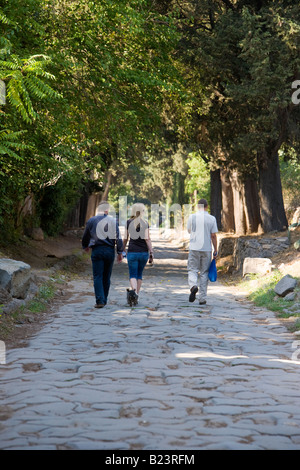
(212, 273)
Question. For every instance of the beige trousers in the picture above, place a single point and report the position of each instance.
(198, 263)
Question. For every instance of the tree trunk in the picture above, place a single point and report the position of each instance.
(179, 189)
(195, 200)
(216, 196)
(93, 202)
(77, 216)
(251, 206)
(227, 203)
(270, 193)
(238, 204)
(107, 185)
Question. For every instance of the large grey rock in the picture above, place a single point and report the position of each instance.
(285, 285)
(15, 277)
(257, 266)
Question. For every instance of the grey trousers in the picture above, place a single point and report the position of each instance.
(199, 262)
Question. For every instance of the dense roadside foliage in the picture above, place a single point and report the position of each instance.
(86, 83)
(151, 99)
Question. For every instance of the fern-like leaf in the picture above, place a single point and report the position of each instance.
(27, 79)
(10, 144)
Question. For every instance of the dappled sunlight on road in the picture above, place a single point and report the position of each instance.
(205, 354)
(166, 373)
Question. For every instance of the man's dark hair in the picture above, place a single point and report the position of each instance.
(203, 202)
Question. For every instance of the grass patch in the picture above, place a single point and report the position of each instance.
(39, 303)
(294, 327)
(261, 293)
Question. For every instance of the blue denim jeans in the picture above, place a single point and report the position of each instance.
(136, 264)
(102, 260)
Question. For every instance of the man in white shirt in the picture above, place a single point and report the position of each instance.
(203, 229)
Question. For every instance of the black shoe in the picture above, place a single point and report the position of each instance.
(203, 302)
(132, 297)
(193, 293)
(99, 305)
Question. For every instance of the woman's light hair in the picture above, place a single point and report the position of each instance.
(137, 209)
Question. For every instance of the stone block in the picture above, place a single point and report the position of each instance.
(257, 248)
(226, 247)
(257, 266)
(291, 296)
(37, 234)
(15, 277)
(285, 285)
(283, 240)
(296, 216)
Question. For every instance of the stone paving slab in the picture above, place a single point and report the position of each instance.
(166, 374)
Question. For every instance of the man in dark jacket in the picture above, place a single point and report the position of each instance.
(102, 234)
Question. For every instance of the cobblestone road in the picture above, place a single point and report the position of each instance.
(164, 375)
